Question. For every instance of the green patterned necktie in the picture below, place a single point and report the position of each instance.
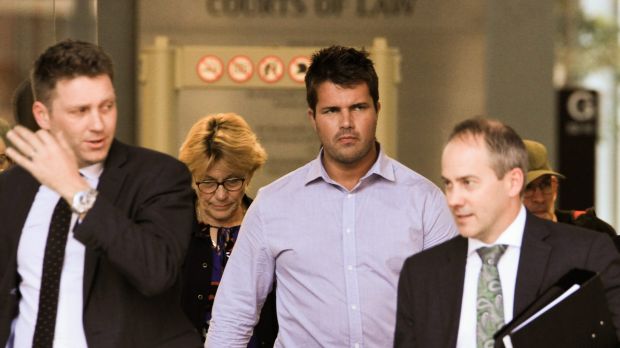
(490, 303)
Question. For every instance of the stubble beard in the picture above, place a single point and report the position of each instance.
(343, 156)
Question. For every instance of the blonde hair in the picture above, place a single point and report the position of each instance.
(223, 137)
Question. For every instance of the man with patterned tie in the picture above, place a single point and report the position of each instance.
(94, 232)
(459, 293)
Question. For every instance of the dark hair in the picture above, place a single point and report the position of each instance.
(343, 66)
(22, 106)
(64, 60)
(506, 149)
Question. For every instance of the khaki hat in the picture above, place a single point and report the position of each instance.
(538, 161)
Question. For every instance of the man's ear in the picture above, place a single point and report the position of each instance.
(515, 181)
(41, 114)
(312, 118)
(378, 107)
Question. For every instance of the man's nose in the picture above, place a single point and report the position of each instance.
(537, 195)
(96, 119)
(346, 120)
(454, 197)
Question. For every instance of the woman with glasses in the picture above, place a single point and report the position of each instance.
(222, 153)
(5, 161)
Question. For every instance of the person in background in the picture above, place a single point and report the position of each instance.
(222, 153)
(94, 232)
(22, 101)
(459, 293)
(335, 232)
(5, 161)
(541, 192)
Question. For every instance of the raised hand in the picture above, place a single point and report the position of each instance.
(49, 158)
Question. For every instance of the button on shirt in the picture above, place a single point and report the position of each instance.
(507, 268)
(69, 328)
(336, 255)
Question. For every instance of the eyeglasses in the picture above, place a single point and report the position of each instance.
(545, 185)
(230, 184)
(5, 162)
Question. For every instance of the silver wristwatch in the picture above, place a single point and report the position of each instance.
(83, 201)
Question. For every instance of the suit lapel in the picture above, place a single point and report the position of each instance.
(532, 263)
(452, 278)
(110, 184)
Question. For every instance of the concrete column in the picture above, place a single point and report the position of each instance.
(387, 65)
(519, 68)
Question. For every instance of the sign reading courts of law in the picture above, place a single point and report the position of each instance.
(303, 8)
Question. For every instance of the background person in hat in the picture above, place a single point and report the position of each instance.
(541, 191)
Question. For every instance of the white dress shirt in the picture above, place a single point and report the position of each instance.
(507, 268)
(69, 331)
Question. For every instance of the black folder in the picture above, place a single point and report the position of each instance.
(582, 319)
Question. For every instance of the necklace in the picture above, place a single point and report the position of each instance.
(213, 233)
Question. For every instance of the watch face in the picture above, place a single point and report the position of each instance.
(83, 201)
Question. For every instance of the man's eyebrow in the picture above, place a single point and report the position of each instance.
(329, 108)
(466, 177)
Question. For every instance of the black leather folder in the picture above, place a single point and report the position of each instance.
(581, 319)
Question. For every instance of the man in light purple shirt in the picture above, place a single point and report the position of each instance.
(334, 233)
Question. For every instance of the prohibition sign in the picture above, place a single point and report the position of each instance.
(210, 68)
(298, 67)
(240, 68)
(271, 69)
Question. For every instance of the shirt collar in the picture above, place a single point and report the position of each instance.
(92, 171)
(512, 236)
(382, 167)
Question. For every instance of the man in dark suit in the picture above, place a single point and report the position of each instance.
(459, 293)
(93, 231)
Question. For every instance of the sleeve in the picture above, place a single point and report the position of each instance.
(404, 332)
(247, 280)
(604, 258)
(438, 221)
(144, 232)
